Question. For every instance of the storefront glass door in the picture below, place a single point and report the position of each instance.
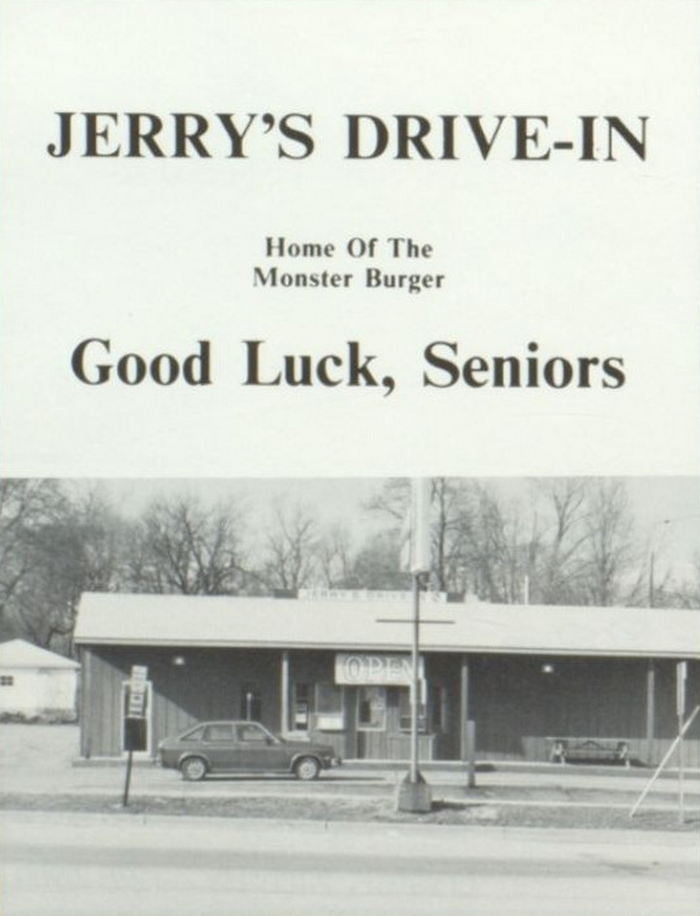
(371, 721)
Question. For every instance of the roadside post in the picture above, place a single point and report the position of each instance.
(667, 756)
(681, 678)
(471, 753)
(414, 793)
(135, 721)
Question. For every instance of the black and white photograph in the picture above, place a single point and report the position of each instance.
(389, 695)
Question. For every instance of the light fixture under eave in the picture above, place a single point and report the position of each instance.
(178, 661)
(547, 669)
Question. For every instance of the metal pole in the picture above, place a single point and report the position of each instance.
(284, 693)
(681, 799)
(125, 798)
(414, 679)
(471, 740)
(464, 710)
(666, 758)
(681, 676)
(650, 710)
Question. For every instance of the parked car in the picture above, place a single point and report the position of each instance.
(246, 747)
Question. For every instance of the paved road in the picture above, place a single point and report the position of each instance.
(75, 865)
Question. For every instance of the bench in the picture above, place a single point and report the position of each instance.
(589, 750)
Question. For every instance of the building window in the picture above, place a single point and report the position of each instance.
(371, 708)
(329, 707)
(302, 707)
(7, 680)
(251, 702)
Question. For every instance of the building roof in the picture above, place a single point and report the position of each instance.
(331, 623)
(18, 653)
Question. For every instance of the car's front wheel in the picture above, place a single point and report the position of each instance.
(307, 768)
(193, 769)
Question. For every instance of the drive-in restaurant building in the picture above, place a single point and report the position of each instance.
(336, 666)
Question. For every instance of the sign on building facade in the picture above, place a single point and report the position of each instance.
(389, 669)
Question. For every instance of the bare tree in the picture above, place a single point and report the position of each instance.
(333, 551)
(679, 593)
(392, 500)
(69, 550)
(46, 601)
(558, 562)
(180, 546)
(609, 541)
(494, 548)
(572, 544)
(25, 505)
(376, 564)
(475, 541)
(290, 548)
(453, 529)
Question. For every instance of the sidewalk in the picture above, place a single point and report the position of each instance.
(558, 785)
(37, 761)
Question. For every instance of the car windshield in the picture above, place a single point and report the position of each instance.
(277, 739)
(193, 734)
(268, 733)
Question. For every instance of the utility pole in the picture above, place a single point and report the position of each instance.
(414, 773)
(414, 793)
(681, 677)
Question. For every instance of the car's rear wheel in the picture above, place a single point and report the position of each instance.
(193, 769)
(307, 768)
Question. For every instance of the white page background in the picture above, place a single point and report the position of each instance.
(587, 259)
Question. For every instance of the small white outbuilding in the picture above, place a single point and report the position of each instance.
(36, 683)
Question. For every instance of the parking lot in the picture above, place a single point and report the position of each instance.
(40, 762)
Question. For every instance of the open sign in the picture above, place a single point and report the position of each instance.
(356, 668)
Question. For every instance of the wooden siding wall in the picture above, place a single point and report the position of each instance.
(208, 686)
(443, 670)
(311, 668)
(516, 705)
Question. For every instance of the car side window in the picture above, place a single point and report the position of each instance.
(218, 733)
(252, 733)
